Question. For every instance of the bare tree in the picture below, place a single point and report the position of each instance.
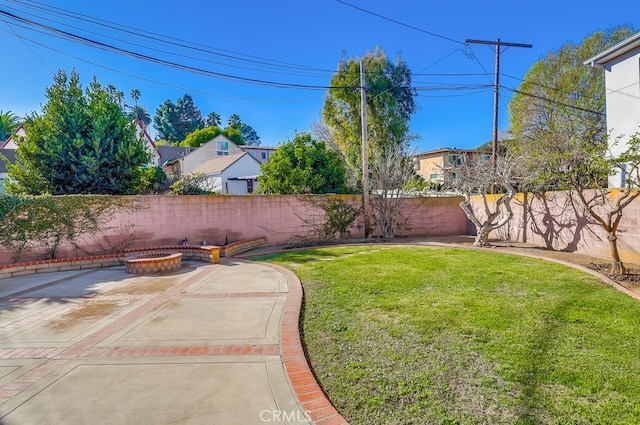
(392, 170)
(604, 205)
(477, 176)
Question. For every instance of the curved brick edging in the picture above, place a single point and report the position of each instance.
(307, 390)
(304, 384)
(208, 253)
(153, 263)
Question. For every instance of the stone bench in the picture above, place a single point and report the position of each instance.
(153, 262)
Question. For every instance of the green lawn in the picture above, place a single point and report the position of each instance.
(416, 335)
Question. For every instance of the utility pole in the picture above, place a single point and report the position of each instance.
(496, 93)
(365, 152)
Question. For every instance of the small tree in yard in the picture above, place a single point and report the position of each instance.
(392, 170)
(477, 176)
(604, 205)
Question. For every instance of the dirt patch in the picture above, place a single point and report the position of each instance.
(89, 311)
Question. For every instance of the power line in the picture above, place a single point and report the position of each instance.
(165, 39)
(124, 52)
(566, 105)
(149, 80)
(14, 32)
(399, 23)
(498, 43)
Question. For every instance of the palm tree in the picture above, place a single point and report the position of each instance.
(137, 112)
(9, 122)
(135, 95)
(140, 114)
(234, 121)
(214, 119)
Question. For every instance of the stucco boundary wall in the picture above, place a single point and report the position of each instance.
(222, 220)
(558, 221)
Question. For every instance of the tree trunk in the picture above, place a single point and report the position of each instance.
(482, 237)
(617, 268)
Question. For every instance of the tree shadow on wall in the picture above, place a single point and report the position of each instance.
(557, 220)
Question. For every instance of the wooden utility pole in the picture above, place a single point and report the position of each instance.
(496, 89)
(365, 152)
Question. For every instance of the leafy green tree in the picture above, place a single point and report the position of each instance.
(303, 165)
(152, 181)
(165, 120)
(175, 121)
(81, 143)
(9, 122)
(558, 110)
(390, 105)
(234, 134)
(249, 135)
(201, 136)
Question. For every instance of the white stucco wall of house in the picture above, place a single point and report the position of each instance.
(206, 152)
(622, 80)
(221, 183)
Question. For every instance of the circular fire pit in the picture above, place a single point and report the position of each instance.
(154, 262)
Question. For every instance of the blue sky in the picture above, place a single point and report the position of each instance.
(297, 43)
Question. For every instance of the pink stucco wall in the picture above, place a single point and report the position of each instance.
(167, 220)
(559, 222)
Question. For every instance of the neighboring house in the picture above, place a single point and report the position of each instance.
(430, 165)
(216, 147)
(261, 153)
(621, 64)
(150, 146)
(170, 159)
(234, 174)
(11, 142)
(10, 154)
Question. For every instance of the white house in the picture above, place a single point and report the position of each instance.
(621, 64)
(217, 147)
(234, 174)
(261, 153)
(9, 154)
(150, 146)
(10, 143)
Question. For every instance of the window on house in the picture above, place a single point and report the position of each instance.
(222, 148)
(264, 155)
(486, 157)
(434, 176)
(455, 160)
